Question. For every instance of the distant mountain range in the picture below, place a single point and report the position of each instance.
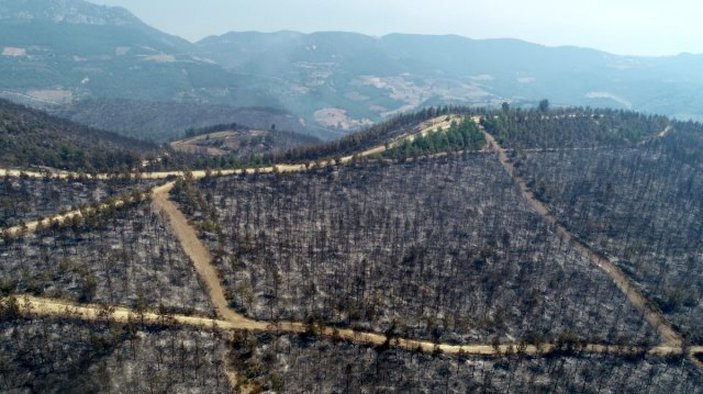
(96, 64)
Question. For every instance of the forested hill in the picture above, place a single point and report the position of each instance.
(30, 137)
(375, 135)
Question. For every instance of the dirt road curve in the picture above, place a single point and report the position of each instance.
(438, 123)
(201, 258)
(651, 313)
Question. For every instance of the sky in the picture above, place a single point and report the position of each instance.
(627, 27)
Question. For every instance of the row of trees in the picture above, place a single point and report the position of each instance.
(375, 135)
(575, 127)
(463, 135)
(24, 199)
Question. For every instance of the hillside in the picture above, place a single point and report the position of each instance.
(55, 53)
(409, 71)
(136, 80)
(455, 249)
(30, 137)
(162, 121)
(58, 51)
(238, 141)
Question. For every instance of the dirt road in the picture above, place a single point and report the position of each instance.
(651, 313)
(438, 123)
(228, 319)
(32, 226)
(200, 257)
(37, 306)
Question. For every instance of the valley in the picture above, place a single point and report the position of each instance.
(104, 67)
(350, 197)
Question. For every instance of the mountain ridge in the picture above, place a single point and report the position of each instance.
(333, 82)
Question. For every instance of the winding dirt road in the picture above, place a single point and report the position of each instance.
(229, 320)
(427, 127)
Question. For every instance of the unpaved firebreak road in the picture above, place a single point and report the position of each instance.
(199, 255)
(39, 306)
(427, 127)
(228, 319)
(424, 128)
(650, 312)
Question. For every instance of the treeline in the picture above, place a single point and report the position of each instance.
(378, 134)
(245, 147)
(684, 142)
(271, 137)
(194, 132)
(310, 150)
(464, 135)
(33, 138)
(572, 127)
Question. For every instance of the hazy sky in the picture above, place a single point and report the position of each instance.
(640, 27)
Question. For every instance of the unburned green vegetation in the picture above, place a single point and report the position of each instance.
(462, 135)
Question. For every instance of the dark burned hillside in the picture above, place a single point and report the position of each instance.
(295, 365)
(25, 199)
(442, 249)
(32, 138)
(67, 356)
(140, 263)
(561, 256)
(631, 190)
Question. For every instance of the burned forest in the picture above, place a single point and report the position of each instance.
(451, 250)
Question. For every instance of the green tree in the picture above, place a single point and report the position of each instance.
(544, 105)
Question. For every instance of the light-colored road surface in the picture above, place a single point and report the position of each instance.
(228, 319)
(200, 257)
(651, 313)
(438, 123)
(32, 226)
(37, 306)
(665, 132)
